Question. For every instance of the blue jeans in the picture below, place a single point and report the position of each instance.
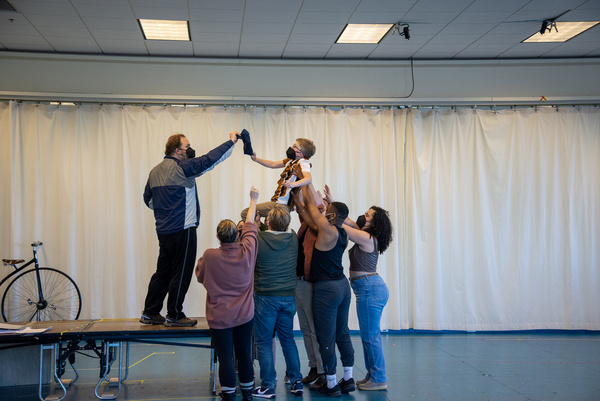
(371, 296)
(275, 315)
(331, 303)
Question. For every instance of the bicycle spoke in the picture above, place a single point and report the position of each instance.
(60, 298)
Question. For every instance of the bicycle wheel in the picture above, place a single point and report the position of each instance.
(21, 301)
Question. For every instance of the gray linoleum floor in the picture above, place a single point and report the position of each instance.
(512, 366)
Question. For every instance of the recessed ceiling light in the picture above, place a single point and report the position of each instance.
(156, 29)
(364, 33)
(561, 32)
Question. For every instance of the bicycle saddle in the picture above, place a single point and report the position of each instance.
(12, 261)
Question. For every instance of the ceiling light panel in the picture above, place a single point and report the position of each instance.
(165, 29)
(566, 31)
(364, 33)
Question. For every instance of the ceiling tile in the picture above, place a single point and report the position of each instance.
(330, 5)
(484, 51)
(73, 44)
(389, 6)
(111, 23)
(466, 29)
(45, 7)
(169, 48)
(309, 17)
(312, 39)
(284, 17)
(210, 15)
(125, 47)
(319, 29)
(266, 27)
(216, 49)
(361, 50)
(264, 38)
(273, 5)
(214, 27)
(306, 50)
(216, 37)
(172, 13)
(217, 5)
(159, 3)
(123, 34)
(375, 18)
(55, 20)
(459, 40)
(49, 31)
(261, 50)
(106, 11)
(432, 17)
(497, 6)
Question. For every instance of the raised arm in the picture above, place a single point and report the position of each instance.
(301, 210)
(360, 237)
(252, 208)
(326, 233)
(269, 163)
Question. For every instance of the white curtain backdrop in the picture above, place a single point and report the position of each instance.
(496, 214)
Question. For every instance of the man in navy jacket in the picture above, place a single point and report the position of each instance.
(171, 193)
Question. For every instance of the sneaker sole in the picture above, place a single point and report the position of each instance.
(179, 324)
(336, 394)
(377, 388)
(264, 396)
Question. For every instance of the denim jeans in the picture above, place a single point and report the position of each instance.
(371, 296)
(275, 315)
(331, 303)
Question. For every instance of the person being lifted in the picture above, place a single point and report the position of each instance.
(297, 154)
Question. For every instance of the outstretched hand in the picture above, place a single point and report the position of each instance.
(234, 135)
(253, 156)
(254, 193)
(328, 195)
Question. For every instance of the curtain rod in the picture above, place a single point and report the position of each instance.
(433, 106)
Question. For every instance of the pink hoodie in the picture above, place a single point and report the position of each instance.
(227, 273)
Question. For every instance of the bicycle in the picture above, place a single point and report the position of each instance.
(40, 293)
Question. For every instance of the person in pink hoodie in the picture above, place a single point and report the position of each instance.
(227, 273)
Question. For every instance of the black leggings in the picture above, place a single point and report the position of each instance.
(224, 341)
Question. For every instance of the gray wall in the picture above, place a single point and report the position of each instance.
(142, 79)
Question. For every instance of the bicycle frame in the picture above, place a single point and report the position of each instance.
(23, 267)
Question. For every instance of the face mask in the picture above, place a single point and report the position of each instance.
(190, 153)
(361, 221)
(290, 153)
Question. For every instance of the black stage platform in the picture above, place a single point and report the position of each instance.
(105, 338)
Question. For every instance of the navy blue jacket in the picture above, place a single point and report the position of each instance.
(171, 189)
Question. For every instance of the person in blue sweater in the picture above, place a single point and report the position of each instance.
(171, 193)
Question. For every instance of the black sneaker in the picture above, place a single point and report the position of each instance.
(152, 319)
(347, 386)
(265, 392)
(311, 376)
(330, 392)
(183, 322)
(319, 382)
(227, 396)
